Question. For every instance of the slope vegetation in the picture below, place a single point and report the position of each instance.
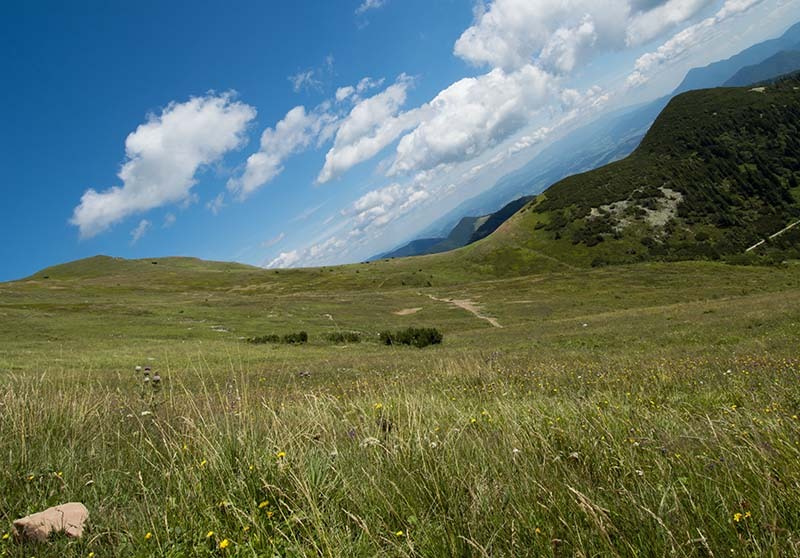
(717, 172)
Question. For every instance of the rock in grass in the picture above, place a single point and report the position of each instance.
(68, 518)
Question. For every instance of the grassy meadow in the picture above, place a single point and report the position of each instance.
(642, 410)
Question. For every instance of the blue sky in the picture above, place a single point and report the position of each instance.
(309, 132)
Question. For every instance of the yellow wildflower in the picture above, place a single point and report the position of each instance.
(737, 517)
(280, 454)
(399, 534)
(148, 536)
(224, 543)
(378, 406)
(5, 536)
(537, 531)
(90, 555)
(748, 515)
(263, 505)
(209, 534)
(203, 463)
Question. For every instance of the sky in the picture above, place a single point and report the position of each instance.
(308, 133)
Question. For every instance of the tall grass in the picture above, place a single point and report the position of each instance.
(470, 457)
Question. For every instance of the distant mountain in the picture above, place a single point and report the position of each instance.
(718, 73)
(458, 237)
(607, 139)
(784, 62)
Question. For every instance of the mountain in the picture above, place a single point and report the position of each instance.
(718, 172)
(718, 73)
(494, 220)
(780, 64)
(459, 236)
(607, 139)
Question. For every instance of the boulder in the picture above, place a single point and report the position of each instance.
(68, 518)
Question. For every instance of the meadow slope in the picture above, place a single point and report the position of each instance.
(641, 410)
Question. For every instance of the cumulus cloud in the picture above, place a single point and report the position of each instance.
(163, 155)
(472, 115)
(368, 5)
(284, 260)
(378, 208)
(294, 133)
(650, 24)
(140, 230)
(354, 92)
(371, 125)
(344, 93)
(559, 35)
(689, 38)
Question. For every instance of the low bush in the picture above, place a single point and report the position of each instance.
(295, 338)
(344, 337)
(417, 337)
(289, 339)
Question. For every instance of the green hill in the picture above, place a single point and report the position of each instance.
(717, 173)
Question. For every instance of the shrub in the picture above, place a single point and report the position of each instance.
(344, 337)
(264, 339)
(417, 337)
(296, 338)
(289, 339)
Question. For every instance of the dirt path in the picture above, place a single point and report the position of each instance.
(776, 235)
(470, 307)
(407, 312)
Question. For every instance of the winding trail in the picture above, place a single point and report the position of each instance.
(470, 307)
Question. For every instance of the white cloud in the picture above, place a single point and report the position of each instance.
(690, 38)
(294, 133)
(344, 93)
(380, 207)
(306, 213)
(650, 24)
(273, 241)
(372, 124)
(559, 35)
(169, 220)
(367, 5)
(304, 80)
(216, 205)
(163, 156)
(140, 230)
(472, 115)
(284, 260)
(354, 92)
